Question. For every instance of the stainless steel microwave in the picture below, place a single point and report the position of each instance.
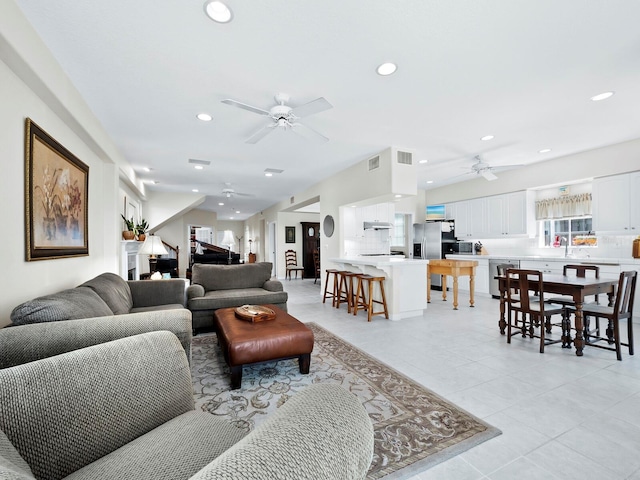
(463, 247)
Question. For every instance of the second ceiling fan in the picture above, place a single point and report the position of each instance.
(286, 117)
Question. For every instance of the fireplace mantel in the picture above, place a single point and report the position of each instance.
(129, 259)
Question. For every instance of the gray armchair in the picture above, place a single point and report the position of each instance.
(125, 409)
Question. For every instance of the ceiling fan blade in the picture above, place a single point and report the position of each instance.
(244, 194)
(315, 106)
(308, 132)
(260, 134)
(504, 168)
(244, 106)
(488, 175)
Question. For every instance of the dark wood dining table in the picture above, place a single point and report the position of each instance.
(576, 287)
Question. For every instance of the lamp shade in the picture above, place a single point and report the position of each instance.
(152, 246)
(228, 238)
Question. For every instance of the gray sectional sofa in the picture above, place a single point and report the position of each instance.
(223, 286)
(102, 309)
(125, 409)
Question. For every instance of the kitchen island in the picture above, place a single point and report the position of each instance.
(405, 281)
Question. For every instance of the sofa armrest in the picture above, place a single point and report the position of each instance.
(195, 291)
(27, 343)
(273, 286)
(90, 402)
(150, 293)
(322, 432)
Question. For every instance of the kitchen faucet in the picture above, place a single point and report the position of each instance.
(566, 247)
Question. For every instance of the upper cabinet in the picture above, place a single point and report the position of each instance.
(354, 217)
(497, 216)
(615, 201)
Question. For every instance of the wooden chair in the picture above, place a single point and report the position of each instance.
(366, 300)
(519, 283)
(622, 309)
(316, 263)
(291, 262)
(579, 271)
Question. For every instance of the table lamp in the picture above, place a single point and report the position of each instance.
(153, 247)
(228, 240)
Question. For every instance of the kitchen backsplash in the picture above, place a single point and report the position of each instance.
(609, 246)
(374, 241)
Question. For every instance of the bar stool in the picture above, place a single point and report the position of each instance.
(361, 300)
(345, 289)
(333, 294)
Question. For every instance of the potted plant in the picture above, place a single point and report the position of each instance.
(141, 229)
(130, 232)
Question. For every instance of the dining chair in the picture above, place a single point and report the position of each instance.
(534, 308)
(579, 271)
(622, 309)
(316, 263)
(291, 263)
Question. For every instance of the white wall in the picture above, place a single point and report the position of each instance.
(290, 219)
(33, 85)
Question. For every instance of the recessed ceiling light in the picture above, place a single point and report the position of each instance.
(146, 169)
(205, 117)
(398, 196)
(268, 174)
(237, 211)
(198, 167)
(218, 11)
(544, 150)
(230, 218)
(221, 203)
(195, 190)
(429, 181)
(386, 69)
(602, 96)
(487, 137)
(423, 161)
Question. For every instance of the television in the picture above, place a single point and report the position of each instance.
(435, 212)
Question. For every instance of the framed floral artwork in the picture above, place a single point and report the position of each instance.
(56, 195)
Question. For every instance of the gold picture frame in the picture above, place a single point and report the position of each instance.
(56, 198)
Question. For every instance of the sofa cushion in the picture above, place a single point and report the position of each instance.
(226, 277)
(114, 290)
(12, 465)
(184, 444)
(158, 308)
(80, 302)
(215, 299)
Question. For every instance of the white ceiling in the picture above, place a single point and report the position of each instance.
(523, 71)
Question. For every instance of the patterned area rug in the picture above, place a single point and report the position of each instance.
(414, 428)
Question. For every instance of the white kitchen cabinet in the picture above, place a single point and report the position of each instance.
(509, 215)
(478, 218)
(545, 266)
(462, 220)
(615, 204)
(349, 223)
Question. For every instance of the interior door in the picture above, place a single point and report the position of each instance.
(310, 243)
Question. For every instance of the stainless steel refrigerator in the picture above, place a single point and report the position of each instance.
(433, 240)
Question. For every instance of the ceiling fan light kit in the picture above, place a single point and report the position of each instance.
(285, 117)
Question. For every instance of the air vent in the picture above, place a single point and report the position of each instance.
(374, 163)
(273, 170)
(199, 162)
(405, 157)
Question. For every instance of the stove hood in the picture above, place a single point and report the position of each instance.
(377, 226)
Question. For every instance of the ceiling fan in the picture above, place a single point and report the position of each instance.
(284, 117)
(229, 192)
(481, 168)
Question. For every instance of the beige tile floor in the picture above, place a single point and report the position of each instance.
(562, 417)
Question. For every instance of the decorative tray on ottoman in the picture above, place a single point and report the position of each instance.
(255, 313)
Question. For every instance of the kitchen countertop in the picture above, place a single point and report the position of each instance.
(380, 260)
(601, 260)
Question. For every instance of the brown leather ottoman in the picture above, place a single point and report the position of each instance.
(245, 342)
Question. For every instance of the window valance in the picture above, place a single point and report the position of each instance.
(563, 207)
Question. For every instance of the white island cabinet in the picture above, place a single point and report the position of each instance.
(405, 282)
